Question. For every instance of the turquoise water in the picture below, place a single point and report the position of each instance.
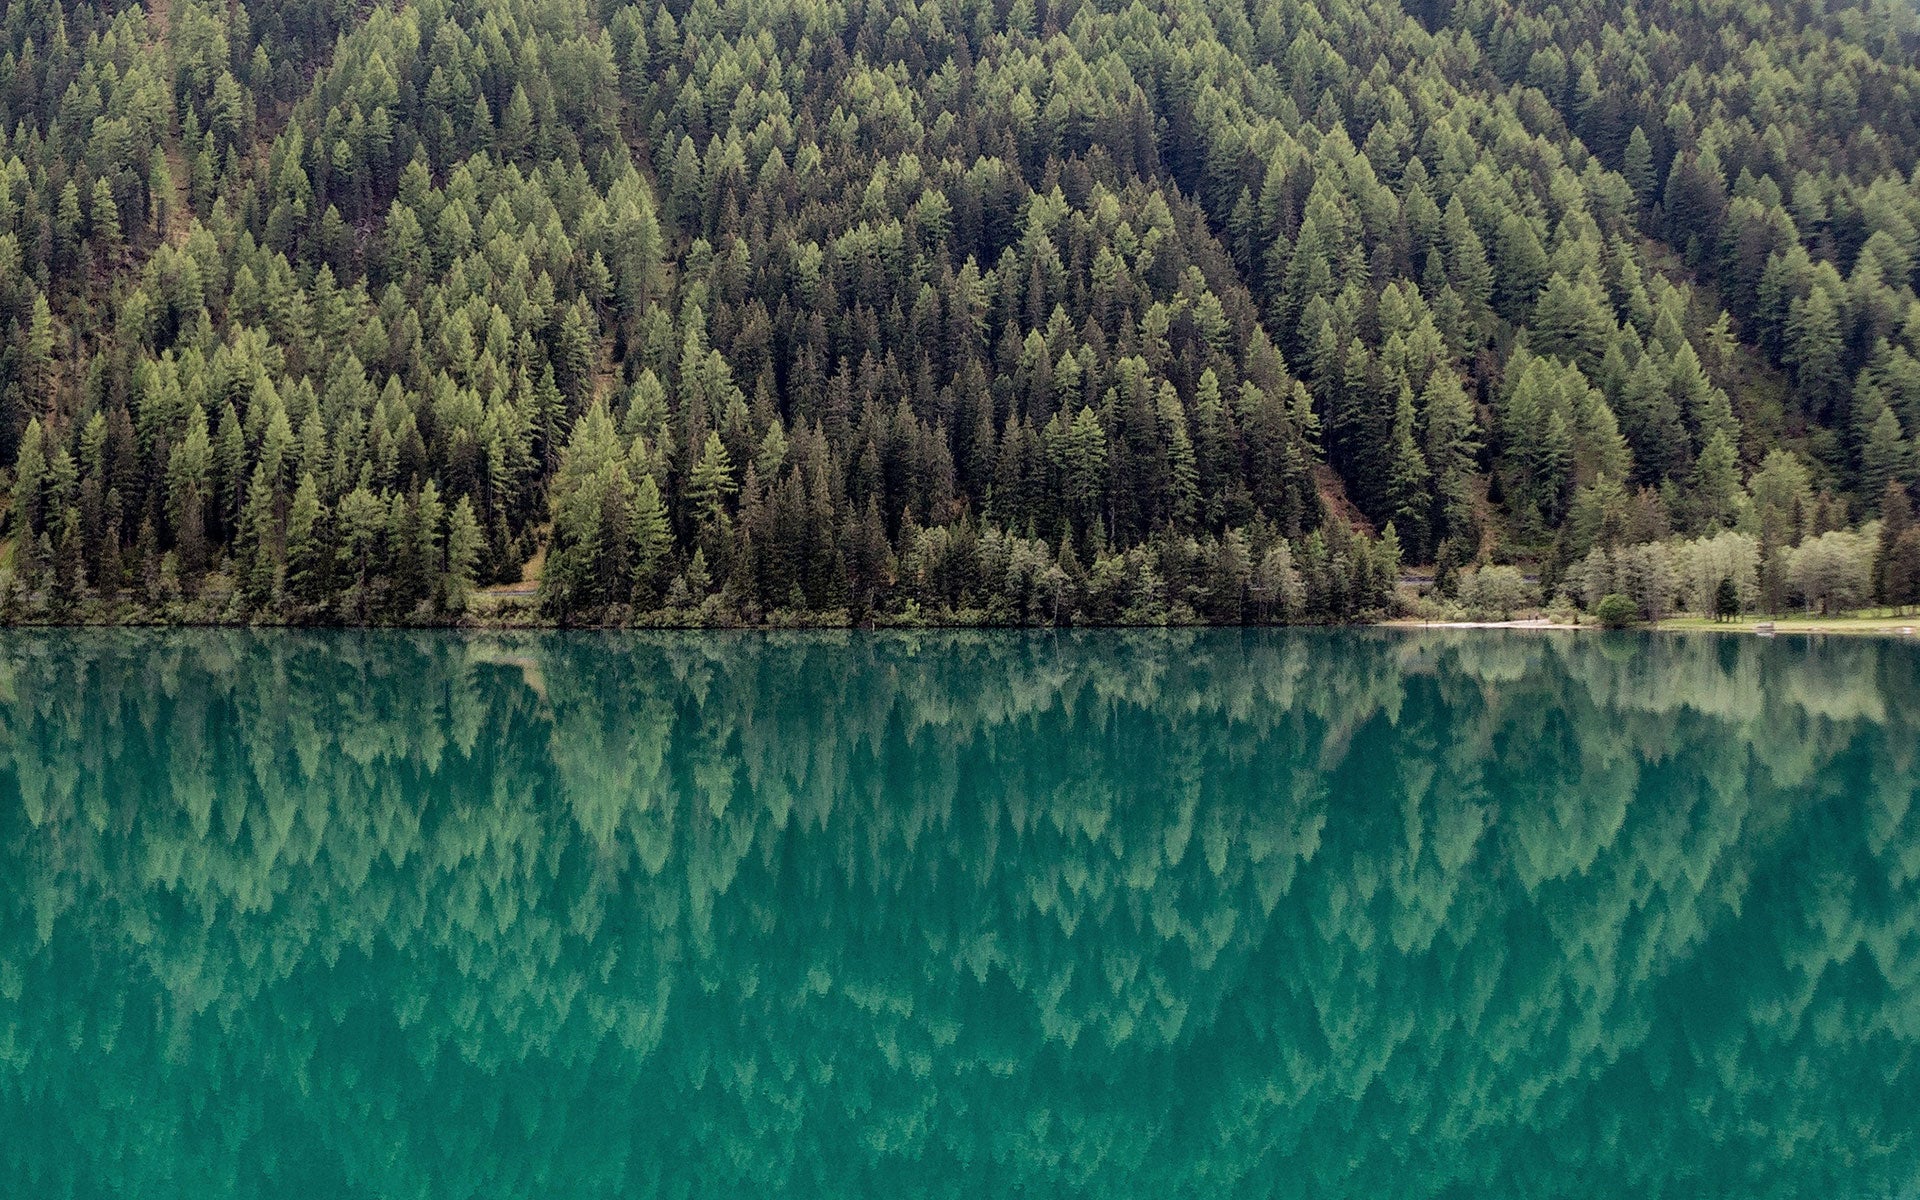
(1314, 914)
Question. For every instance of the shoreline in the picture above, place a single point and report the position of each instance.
(1899, 628)
(1544, 623)
(1891, 627)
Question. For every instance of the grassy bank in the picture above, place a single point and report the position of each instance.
(1867, 622)
(1880, 622)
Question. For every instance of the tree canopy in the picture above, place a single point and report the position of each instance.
(1059, 311)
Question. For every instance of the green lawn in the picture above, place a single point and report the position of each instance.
(1871, 621)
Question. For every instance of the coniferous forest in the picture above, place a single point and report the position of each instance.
(780, 311)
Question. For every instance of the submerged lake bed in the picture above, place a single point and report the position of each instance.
(1240, 913)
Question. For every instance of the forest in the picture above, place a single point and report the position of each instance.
(963, 311)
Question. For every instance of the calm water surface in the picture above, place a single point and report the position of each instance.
(1215, 914)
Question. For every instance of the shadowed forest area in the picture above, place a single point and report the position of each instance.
(783, 311)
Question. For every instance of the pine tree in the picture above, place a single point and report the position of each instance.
(652, 539)
(37, 370)
(1638, 165)
(573, 356)
(516, 127)
(189, 476)
(1901, 577)
(29, 477)
(66, 225)
(104, 222)
(1408, 495)
(307, 554)
(1520, 267)
(698, 580)
(190, 548)
(1183, 469)
(1814, 350)
(684, 185)
(464, 545)
(1571, 321)
(1887, 457)
(1726, 600)
(429, 518)
(68, 571)
(1452, 447)
(711, 481)
(1896, 520)
(1086, 465)
(229, 471)
(1715, 484)
(1467, 267)
(257, 552)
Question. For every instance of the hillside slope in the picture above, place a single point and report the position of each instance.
(1034, 312)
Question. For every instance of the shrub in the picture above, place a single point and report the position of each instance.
(1616, 611)
(1494, 592)
(1833, 571)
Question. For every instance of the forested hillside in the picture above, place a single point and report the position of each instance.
(782, 310)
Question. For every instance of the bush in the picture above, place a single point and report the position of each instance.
(1493, 593)
(1616, 611)
(1833, 571)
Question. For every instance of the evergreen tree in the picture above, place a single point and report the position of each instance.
(104, 221)
(1889, 564)
(29, 479)
(1887, 457)
(1726, 600)
(307, 554)
(1520, 267)
(1716, 484)
(711, 481)
(1637, 165)
(257, 547)
(652, 539)
(465, 543)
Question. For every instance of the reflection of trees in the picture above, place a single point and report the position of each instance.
(369, 914)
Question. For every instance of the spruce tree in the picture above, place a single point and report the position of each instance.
(1896, 520)
(464, 545)
(307, 555)
(1637, 165)
(652, 540)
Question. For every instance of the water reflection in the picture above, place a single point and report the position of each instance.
(1213, 913)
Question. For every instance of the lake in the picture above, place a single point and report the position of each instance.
(1227, 914)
